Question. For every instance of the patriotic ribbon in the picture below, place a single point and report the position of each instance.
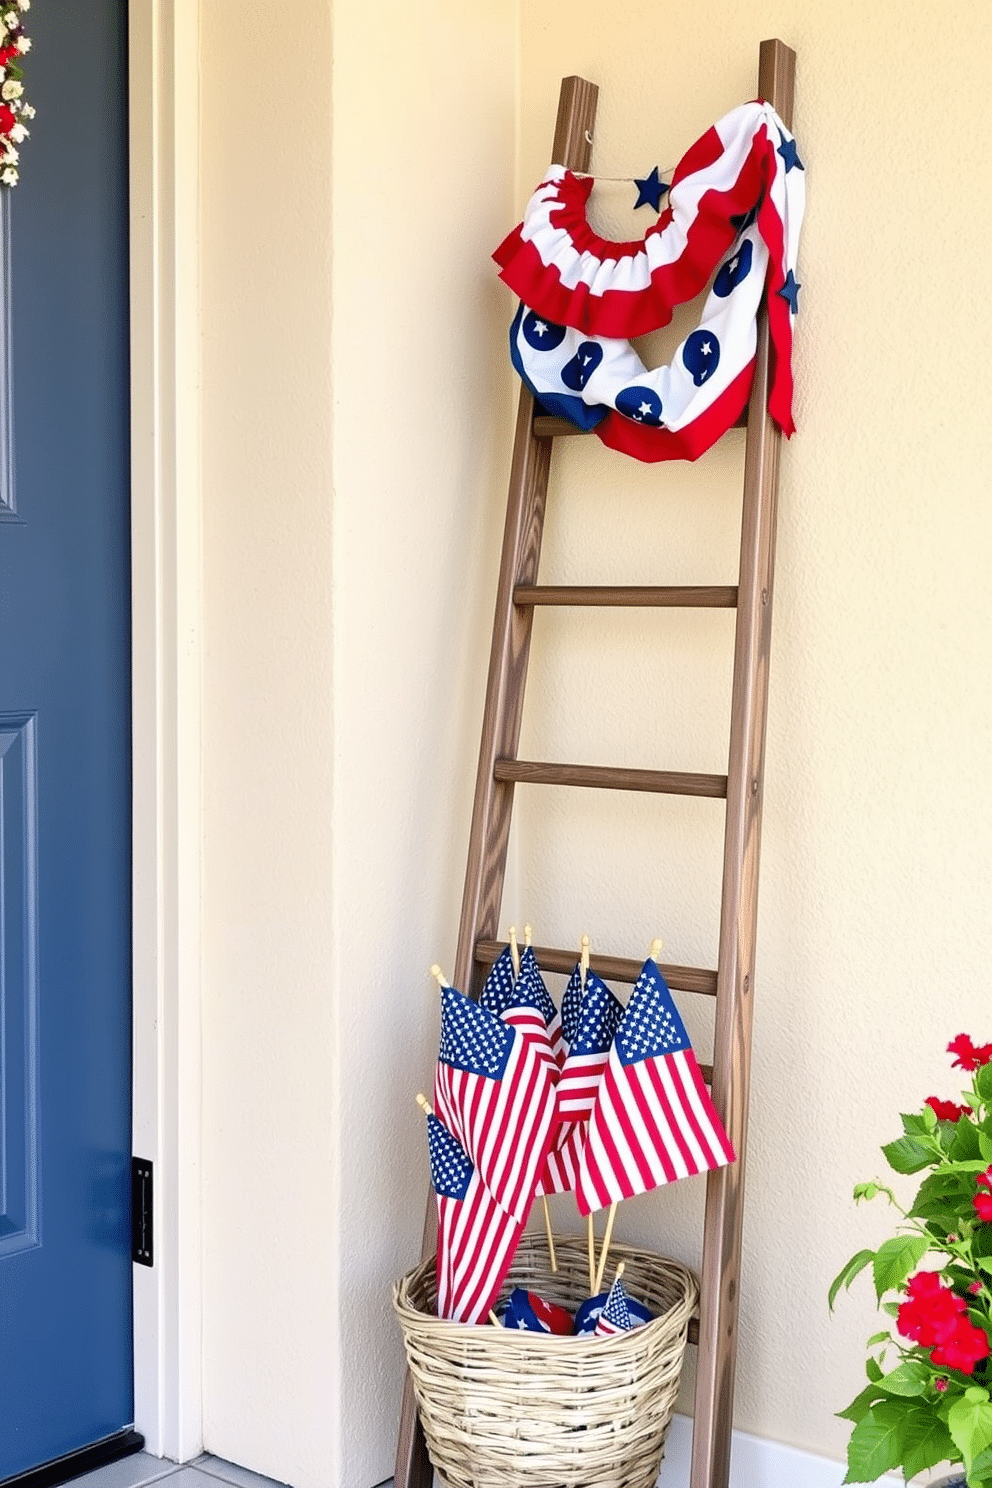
(736, 204)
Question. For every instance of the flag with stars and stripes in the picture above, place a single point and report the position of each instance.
(571, 1005)
(497, 989)
(493, 1089)
(529, 1313)
(532, 1010)
(653, 1120)
(598, 1018)
(616, 1315)
(476, 1238)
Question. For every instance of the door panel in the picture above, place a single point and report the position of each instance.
(65, 936)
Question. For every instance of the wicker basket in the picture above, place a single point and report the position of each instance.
(502, 1409)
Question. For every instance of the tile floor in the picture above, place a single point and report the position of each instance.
(141, 1469)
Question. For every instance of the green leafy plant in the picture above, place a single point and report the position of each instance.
(928, 1399)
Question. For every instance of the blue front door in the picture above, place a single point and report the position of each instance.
(65, 893)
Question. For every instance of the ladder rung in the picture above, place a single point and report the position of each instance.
(685, 596)
(547, 426)
(612, 968)
(609, 777)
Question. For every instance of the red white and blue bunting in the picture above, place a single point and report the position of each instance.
(735, 207)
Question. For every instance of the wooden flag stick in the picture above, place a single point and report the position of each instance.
(514, 950)
(494, 1319)
(605, 1250)
(584, 960)
(591, 1245)
(528, 936)
(657, 946)
(439, 976)
(424, 1104)
(551, 1239)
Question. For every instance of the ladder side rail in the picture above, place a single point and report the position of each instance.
(513, 625)
(720, 1289)
(503, 713)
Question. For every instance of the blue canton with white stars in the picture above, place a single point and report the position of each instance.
(599, 1019)
(616, 1310)
(651, 1026)
(472, 1038)
(497, 993)
(531, 989)
(451, 1171)
(571, 1005)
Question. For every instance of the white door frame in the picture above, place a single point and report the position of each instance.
(166, 652)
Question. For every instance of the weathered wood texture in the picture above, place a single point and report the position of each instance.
(629, 596)
(611, 777)
(611, 968)
(718, 1309)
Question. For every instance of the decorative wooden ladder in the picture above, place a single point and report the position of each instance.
(499, 770)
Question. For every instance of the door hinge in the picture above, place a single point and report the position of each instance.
(142, 1213)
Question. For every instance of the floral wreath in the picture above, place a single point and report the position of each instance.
(14, 107)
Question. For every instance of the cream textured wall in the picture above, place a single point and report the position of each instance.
(271, 1255)
(875, 926)
(423, 183)
(357, 168)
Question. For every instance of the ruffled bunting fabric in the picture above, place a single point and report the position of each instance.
(735, 209)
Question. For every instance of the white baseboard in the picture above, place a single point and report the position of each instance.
(754, 1463)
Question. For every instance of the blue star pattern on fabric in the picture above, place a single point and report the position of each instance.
(652, 1025)
(571, 1005)
(599, 1018)
(701, 355)
(472, 1039)
(734, 270)
(790, 292)
(641, 404)
(789, 153)
(650, 190)
(542, 333)
(537, 993)
(451, 1171)
(616, 1315)
(576, 373)
(497, 990)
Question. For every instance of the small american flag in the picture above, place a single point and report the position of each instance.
(571, 1004)
(615, 1316)
(599, 1018)
(493, 1090)
(497, 990)
(476, 1238)
(653, 1120)
(597, 1021)
(530, 1313)
(530, 971)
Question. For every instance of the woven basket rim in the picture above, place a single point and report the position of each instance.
(485, 1336)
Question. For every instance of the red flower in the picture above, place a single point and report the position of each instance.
(975, 1288)
(7, 54)
(7, 119)
(932, 1312)
(968, 1056)
(946, 1110)
(940, 1383)
(983, 1201)
(963, 1349)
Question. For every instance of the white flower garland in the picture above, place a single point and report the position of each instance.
(14, 107)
